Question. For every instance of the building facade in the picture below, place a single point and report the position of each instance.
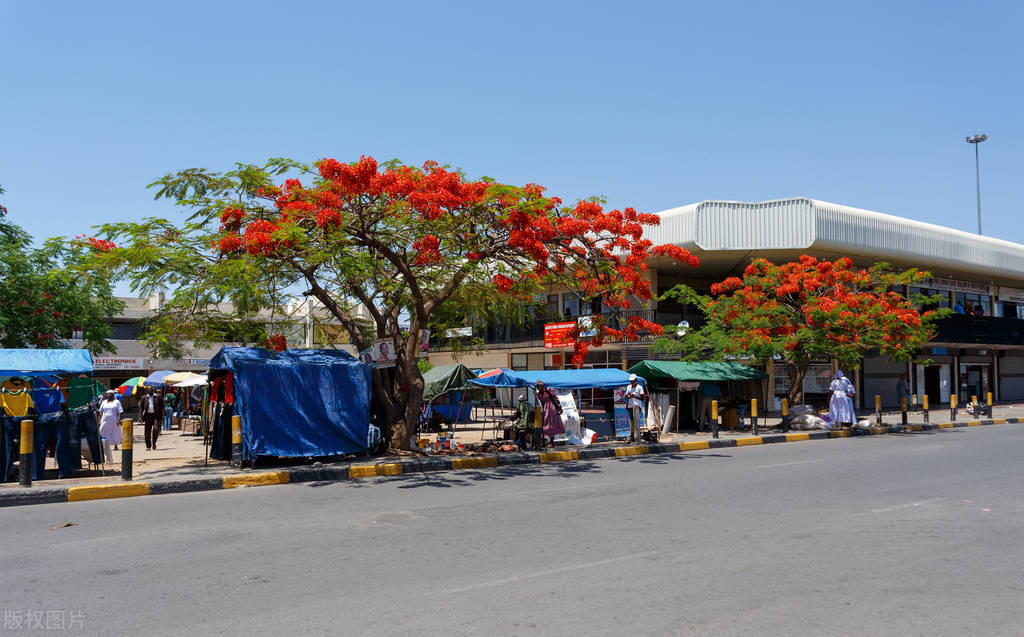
(969, 356)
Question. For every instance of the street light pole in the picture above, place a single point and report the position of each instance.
(977, 139)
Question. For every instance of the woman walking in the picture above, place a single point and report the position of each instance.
(840, 408)
(551, 409)
(110, 418)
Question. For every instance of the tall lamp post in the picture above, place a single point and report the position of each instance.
(977, 139)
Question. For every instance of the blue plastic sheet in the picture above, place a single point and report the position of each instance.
(560, 379)
(299, 402)
(34, 362)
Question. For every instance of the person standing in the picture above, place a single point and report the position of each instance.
(170, 400)
(551, 410)
(635, 406)
(840, 407)
(110, 418)
(524, 421)
(903, 389)
(150, 407)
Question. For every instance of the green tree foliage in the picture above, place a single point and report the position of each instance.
(45, 299)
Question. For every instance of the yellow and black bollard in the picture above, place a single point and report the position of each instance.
(913, 400)
(952, 407)
(127, 438)
(903, 409)
(753, 416)
(714, 418)
(538, 429)
(924, 407)
(878, 409)
(236, 441)
(975, 405)
(25, 444)
(785, 415)
(988, 402)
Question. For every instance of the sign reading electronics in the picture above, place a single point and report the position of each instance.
(118, 363)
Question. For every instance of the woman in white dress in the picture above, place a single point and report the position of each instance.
(110, 418)
(840, 408)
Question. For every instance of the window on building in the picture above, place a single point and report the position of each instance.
(971, 302)
(519, 362)
(125, 331)
(940, 298)
(570, 306)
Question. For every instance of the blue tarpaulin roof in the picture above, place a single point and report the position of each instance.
(28, 362)
(299, 402)
(559, 379)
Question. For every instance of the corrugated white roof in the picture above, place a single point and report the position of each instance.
(801, 223)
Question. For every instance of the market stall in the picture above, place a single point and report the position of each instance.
(588, 396)
(445, 394)
(54, 388)
(691, 386)
(295, 403)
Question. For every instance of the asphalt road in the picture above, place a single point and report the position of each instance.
(916, 534)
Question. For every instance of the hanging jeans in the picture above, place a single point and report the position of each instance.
(55, 426)
(83, 423)
(168, 414)
(8, 452)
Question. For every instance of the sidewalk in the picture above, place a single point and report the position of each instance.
(170, 468)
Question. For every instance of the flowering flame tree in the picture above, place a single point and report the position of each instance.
(398, 244)
(808, 308)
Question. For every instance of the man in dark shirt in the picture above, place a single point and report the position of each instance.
(151, 407)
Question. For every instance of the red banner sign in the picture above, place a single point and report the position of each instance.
(559, 334)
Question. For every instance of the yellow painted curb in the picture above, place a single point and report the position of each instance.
(474, 463)
(631, 451)
(839, 434)
(999, 421)
(973, 423)
(694, 445)
(877, 431)
(390, 469)
(945, 425)
(257, 479)
(796, 437)
(751, 440)
(557, 456)
(913, 428)
(106, 491)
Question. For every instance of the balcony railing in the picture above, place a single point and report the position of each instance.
(984, 330)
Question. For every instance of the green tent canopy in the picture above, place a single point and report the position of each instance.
(697, 371)
(445, 378)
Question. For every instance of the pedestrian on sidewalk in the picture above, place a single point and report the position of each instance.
(150, 406)
(524, 421)
(551, 410)
(840, 407)
(635, 405)
(902, 389)
(110, 418)
(169, 402)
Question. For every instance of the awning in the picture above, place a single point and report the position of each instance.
(31, 362)
(445, 378)
(559, 379)
(695, 371)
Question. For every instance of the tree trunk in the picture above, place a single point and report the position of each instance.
(412, 388)
(797, 371)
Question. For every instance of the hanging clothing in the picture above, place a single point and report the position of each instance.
(47, 400)
(16, 403)
(551, 409)
(14, 384)
(79, 392)
(110, 420)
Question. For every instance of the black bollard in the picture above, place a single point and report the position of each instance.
(714, 418)
(236, 441)
(903, 409)
(753, 416)
(924, 406)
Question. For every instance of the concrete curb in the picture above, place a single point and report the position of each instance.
(48, 495)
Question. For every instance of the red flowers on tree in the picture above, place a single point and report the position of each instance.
(808, 308)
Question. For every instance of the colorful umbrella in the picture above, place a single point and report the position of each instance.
(493, 372)
(157, 378)
(179, 377)
(130, 386)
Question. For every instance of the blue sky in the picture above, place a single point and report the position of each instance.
(652, 105)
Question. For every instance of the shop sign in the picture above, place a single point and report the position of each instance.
(456, 332)
(1011, 294)
(113, 362)
(559, 334)
(953, 285)
(191, 362)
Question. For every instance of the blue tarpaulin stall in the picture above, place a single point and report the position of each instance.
(559, 379)
(40, 362)
(299, 402)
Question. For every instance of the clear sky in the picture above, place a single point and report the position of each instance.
(652, 105)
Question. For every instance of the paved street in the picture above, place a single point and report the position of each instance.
(915, 534)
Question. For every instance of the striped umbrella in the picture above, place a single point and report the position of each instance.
(130, 386)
